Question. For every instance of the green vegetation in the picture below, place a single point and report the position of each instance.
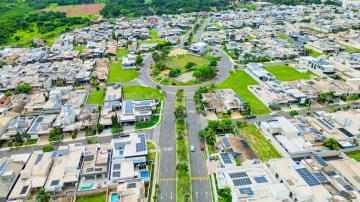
(56, 134)
(79, 48)
(312, 53)
(293, 113)
(295, 2)
(225, 194)
(218, 26)
(121, 53)
(153, 34)
(153, 41)
(215, 128)
(286, 73)
(239, 82)
(350, 49)
(23, 88)
(248, 7)
(101, 197)
(283, 36)
(118, 74)
(47, 148)
(142, 125)
(96, 96)
(354, 154)
(181, 61)
(42, 195)
(141, 93)
(183, 183)
(130, 8)
(331, 144)
(262, 147)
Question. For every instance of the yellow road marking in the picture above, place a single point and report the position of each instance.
(200, 178)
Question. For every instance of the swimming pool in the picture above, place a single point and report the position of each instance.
(86, 187)
(114, 197)
(121, 152)
(144, 174)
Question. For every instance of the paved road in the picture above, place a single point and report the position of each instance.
(198, 34)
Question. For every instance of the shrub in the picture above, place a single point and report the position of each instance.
(47, 148)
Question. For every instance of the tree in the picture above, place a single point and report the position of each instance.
(331, 144)
(190, 65)
(225, 192)
(246, 109)
(293, 113)
(42, 195)
(23, 88)
(204, 72)
(174, 72)
(55, 134)
(116, 125)
(99, 128)
(139, 59)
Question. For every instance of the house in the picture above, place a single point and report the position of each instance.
(129, 61)
(5, 121)
(199, 48)
(259, 71)
(18, 125)
(138, 110)
(66, 169)
(319, 66)
(33, 176)
(222, 100)
(42, 125)
(112, 104)
(10, 168)
(131, 190)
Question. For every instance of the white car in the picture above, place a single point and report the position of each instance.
(274, 113)
(192, 148)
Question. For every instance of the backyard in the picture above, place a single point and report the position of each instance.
(92, 198)
(118, 74)
(142, 125)
(350, 49)
(121, 53)
(287, 73)
(355, 155)
(313, 53)
(262, 147)
(239, 81)
(141, 93)
(96, 96)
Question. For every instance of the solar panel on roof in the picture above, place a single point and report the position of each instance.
(242, 181)
(23, 190)
(226, 142)
(55, 182)
(38, 158)
(308, 177)
(247, 191)
(53, 155)
(116, 174)
(346, 132)
(3, 166)
(321, 177)
(348, 187)
(142, 145)
(238, 175)
(261, 179)
(245, 143)
(131, 185)
(225, 157)
(320, 161)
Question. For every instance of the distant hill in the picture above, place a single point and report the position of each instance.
(133, 8)
(294, 2)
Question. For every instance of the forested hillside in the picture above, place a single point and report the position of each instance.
(135, 8)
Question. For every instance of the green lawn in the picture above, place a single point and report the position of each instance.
(152, 41)
(79, 48)
(313, 53)
(141, 93)
(181, 61)
(355, 155)
(96, 97)
(250, 37)
(154, 120)
(239, 81)
(92, 198)
(118, 74)
(121, 52)
(262, 147)
(153, 34)
(286, 73)
(350, 49)
(283, 36)
(219, 26)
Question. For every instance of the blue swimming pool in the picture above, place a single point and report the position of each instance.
(144, 174)
(121, 152)
(86, 187)
(114, 197)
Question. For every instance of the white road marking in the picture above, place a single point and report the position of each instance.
(171, 196)
(197, 195)
(206, 194)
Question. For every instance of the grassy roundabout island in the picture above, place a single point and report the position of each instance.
(183, 69)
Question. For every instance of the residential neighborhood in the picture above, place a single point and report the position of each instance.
(255, 102)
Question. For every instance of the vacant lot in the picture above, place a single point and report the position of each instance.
(141, 93)
(182, 60)
(286, 73)
(118, 74)
(153, 34)
(96, 97)
(262, 147)
(92, 198)
(78, 10)
(239, 81)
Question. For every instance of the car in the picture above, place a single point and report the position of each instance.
(202, 147)
(250, 116)
(192, 148)
(274, 113)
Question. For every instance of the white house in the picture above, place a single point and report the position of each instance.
(199, 48)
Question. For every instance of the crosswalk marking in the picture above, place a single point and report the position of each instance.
(170, 179)
(200, 178)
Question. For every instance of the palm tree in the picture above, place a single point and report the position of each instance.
(42, 195)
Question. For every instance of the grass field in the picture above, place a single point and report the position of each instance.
(181, 61)
(350, 49)
(92, 198)
(141, 92)
(96, 97)
(283, 36)
(262, 147)
(286, 73)
(154, 120)
(121, 53)
(355, 155)
(77, 10)
(79, 48)
(239, 81)
(118, 74)
(152, 41)
(153, 34)
(313, 53)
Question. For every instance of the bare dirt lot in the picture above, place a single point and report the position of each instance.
(78, 10)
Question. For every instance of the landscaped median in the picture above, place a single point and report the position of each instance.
(183, 182)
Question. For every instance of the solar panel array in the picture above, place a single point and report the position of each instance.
(242, 181)
(247, 191)
(308, 177)
(131, 185)
(320, 161)
(226, 158)
(226, 142)
(348, 187)
(321, 177)
(238, 175)
(142, 145)
(38, 158)
(23, 190)
(3, 166)
(261, 179)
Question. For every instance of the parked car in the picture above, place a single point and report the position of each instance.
(250, 116)
(192, 148)
(274, 113)
(202, 147)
